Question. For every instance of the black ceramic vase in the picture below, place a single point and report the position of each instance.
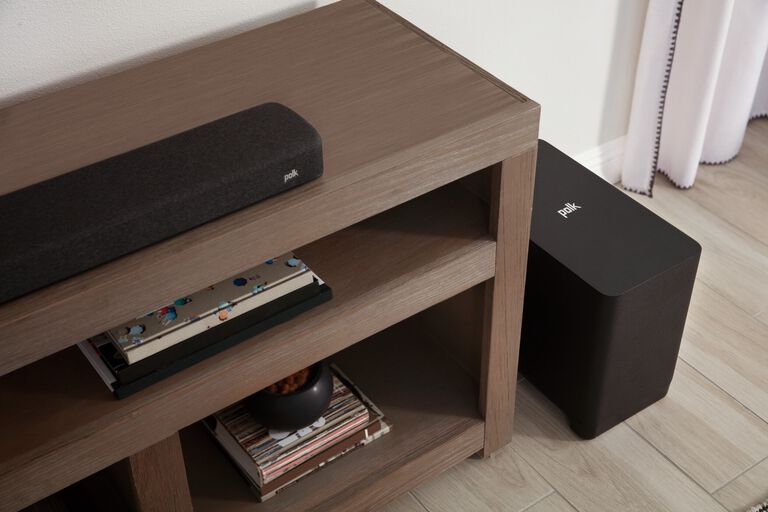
(298, 409)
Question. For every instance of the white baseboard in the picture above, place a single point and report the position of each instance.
(605, 160)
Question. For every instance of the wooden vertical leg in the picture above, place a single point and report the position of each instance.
(156, 477)
(511, 203)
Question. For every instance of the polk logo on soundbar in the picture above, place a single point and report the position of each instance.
(288, 177)
(569, 209)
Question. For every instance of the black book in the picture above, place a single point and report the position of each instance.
(125, 379)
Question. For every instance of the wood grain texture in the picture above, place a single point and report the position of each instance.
(456, 325)
(510, 222)
(747, 490)
(701, 429)
(431, 403)
(354, 72)
(729, 347)
(552, 503)
(158, 477)
(738, 191)
(53, 503)
(404, 503)
(502, 482)
(66, 425)
(616, 471)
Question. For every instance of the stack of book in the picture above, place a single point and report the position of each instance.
(131, 356)
(271, 460)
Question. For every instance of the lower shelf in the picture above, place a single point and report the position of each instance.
(429, 399)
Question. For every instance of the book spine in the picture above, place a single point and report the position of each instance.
(317, 461)
(101, 368)
(211, 336)
(305, 452)
(233, 449)
(146, 349)
(123, 391)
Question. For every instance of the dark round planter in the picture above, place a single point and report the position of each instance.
(298, 409)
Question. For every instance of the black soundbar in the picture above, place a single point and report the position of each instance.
(66, 225)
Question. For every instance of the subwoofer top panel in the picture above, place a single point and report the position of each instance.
(612, 243)
(76, 221)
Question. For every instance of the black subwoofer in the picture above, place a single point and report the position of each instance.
(606, 298)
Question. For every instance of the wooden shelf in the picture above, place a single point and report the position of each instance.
(399, 116)
(65, 425)
(402, 119)
(429, 399)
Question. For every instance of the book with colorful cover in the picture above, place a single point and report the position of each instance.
(278, 301)
(193, 314)
(126, 373)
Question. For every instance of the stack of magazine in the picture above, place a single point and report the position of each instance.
(131, 356)
(271, 460)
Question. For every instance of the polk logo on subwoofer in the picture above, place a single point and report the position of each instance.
(569, 209)
(288, 177)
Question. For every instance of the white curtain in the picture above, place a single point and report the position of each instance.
(701, 76)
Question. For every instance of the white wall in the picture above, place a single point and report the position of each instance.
(575, 58)
(47, 44)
